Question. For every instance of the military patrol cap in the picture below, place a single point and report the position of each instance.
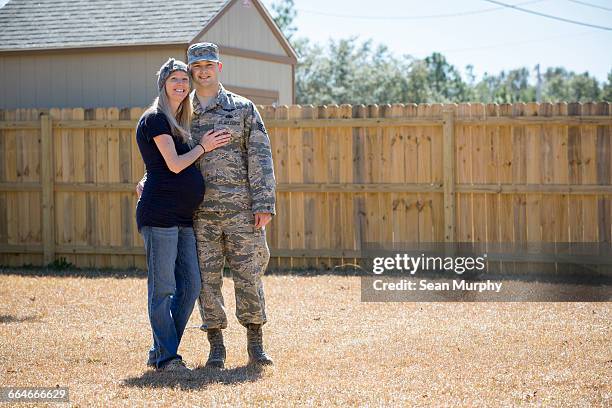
(167, 68)
(202, 52)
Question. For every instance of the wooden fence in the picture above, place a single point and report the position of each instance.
(346, 175)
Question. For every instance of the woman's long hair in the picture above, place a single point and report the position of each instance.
(181, 123)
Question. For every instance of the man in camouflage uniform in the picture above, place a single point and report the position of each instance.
(238, 202)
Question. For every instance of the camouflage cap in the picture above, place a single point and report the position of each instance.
(167, 68)
(202, 52)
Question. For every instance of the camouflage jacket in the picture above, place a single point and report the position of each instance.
(238, 176)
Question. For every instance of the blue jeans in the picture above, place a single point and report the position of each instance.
(173, 284)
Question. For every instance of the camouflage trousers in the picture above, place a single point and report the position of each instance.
(231, 236)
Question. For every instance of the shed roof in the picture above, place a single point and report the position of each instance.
(59, 24)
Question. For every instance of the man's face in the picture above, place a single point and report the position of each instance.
(205, 73)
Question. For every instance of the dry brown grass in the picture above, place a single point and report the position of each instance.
(92, 335)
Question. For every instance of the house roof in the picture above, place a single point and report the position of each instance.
(60, 24)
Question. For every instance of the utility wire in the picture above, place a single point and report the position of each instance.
(584, 3)
(422, 17)
(511, 44)
(549, 16)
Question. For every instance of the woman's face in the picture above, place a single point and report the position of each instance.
(177, 86)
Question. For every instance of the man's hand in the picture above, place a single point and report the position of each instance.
(262, 219)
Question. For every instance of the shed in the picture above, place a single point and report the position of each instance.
(101, 53)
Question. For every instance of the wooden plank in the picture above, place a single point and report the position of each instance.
(560, 167)
(20, 248)
(424, 175)
(600, 120)
(492, 167)
(436, 133)
(588, 163)
(65, 201)
(346, 227)
(80, 210)
(480, 155)
(12, 124)
(137, 164)
(538, 120)
(385, 175)
(548, 202)
(31, 143)
(23, 205)
(409, 136)
(333, 147)
(344, 138)
(20, 186)
(372, 175)
(533, 175)
(58, 171)
(575, 175)
(397, 163)
(114, 199)
(604, 175)
(267, 112)
(3, 149)
(335, 220)
(296, 175)
(595, 189)
(126, 206)
(320, 174)
(110, 123)
(102, 215)
(463, 162)
(437, 177)
(137, 170)
(356, 122)
(9, 164)
(359, 159)
(504, 176)
(519, 174)
(34, 198)
(91, 220)
(437, 121)
(3, 218)
(308, 175)
(125, 176)
(283, 210)
(46, 178)
(359, 187)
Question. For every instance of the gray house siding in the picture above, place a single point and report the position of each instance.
(84, 78)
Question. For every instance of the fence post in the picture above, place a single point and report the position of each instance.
(47, 179)
(448, 148)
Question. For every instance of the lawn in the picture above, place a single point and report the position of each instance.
(92, 335)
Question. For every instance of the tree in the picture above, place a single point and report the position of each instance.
(284, 16)
(607, 89)
(357, 72)
(445, 80)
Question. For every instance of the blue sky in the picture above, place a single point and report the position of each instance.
(491, 41)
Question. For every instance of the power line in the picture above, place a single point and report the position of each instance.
(549, 16)
(512, 44)
(421, 17)
(584, 3)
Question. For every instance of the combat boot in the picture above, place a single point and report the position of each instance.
(257, 355)
(216, 356)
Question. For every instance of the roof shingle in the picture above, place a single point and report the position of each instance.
(48, 24)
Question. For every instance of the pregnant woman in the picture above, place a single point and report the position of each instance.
(173, 190)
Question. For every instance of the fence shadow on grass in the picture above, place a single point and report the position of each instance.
(199, 378)
(9, 318)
